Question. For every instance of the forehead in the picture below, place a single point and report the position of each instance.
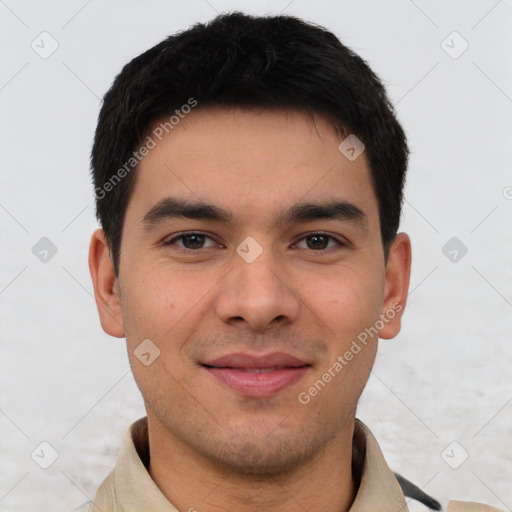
(252, 163)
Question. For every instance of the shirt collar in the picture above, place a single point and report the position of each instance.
(378, 489)
(135, 489)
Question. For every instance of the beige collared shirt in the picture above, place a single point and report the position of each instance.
(130, 488)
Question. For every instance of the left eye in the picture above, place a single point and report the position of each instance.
(318, 241)
(192, 241)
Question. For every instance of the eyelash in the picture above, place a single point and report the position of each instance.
(314, 233)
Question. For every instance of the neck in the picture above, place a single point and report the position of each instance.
(192, 483)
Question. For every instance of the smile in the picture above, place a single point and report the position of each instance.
(257, 382)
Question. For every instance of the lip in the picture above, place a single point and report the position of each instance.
(240, 372)
(244, 360)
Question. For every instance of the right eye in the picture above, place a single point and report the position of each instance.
(191, 241)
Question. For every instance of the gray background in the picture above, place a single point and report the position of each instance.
(445, 378)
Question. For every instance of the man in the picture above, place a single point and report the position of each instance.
(249, 176)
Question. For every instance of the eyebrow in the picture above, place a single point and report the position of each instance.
(330, 210)
(170, 208)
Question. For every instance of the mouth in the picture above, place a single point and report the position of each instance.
(254, 370)
(257, 375)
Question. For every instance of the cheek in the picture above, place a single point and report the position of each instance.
(167, 307)
(334, 391)
(160, 300)
(348, 302)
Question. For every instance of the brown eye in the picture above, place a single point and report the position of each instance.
(192, 241)
(319, 241)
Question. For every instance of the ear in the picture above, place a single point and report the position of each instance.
(398, 273)
(106, 285)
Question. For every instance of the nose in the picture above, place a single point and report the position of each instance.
(257, 295)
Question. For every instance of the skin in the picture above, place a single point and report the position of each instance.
(211, 447)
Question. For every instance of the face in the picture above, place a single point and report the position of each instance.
(251, 259)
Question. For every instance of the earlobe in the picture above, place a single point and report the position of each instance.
(398, 272)
(106, 285)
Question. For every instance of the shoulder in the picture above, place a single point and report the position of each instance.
(104, 499)
(470, 506)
